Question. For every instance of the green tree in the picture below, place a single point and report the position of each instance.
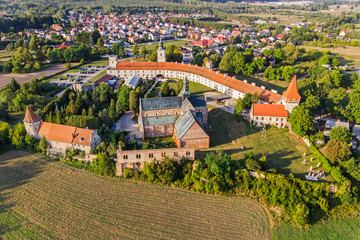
(301, 121)
(33, 43)
(165, 89)
(68, 66)
(18, 136)
(43, 145)
(143, 51)
(123, 98)
(239, 63)
(133, 102)
(135, 50)
(103, 165)
(337, 151)
(342, 134)
(13, 85)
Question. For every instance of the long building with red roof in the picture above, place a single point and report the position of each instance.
(215, 80)
(60, 137)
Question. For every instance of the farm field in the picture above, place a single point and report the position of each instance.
(344, 229)
(347, 53)
(47, 200)
(284, 152)
(283, 19)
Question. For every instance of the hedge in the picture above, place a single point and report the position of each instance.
(335, 172)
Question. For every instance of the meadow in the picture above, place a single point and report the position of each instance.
(344, 229)
(40, 199)
(284, 151)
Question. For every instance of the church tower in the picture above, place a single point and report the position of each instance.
(185, 92)
(161, 56)
(291, 97)
(31, 123)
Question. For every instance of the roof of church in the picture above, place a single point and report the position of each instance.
(30, 116)
(184, 123)
(159, 120)
(265, 95)
(186, 103)
(148, 104)
(292, 91)
(198, 100)
(274, 110)
(65, 134)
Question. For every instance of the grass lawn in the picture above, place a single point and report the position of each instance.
(41, 199)
(284, 151)
(157, 89)
(277, 85)
(91, 80)
(16, 117)
(139, 59)
(197, 88)
(344, 229)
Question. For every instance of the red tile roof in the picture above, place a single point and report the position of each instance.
(274, 110)
(240, 86)
(203, 43)
(292, 91)
(65, 134)
(30, 116)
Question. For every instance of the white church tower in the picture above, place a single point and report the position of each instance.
(161, 56)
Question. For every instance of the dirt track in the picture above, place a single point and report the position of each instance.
(26, 77)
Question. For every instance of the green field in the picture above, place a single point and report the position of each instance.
(284, 151)
(47, 200)
(344, 229)
(178, 43)
(155, 92)
(197, 88)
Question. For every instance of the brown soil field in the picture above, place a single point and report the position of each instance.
(47, 200)
(5, 78)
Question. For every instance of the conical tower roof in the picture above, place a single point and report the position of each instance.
(292, 91)
(30, 116)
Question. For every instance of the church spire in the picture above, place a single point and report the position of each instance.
(292, 94)
(185, 91)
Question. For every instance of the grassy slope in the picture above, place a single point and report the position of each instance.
(46, 200)
(336, 229)
(284, 152)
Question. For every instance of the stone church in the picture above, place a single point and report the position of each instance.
(184, 117)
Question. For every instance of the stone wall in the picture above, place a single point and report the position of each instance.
(136, 159)
(158, 131)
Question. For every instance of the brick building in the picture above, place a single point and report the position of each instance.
(136, 159)
(184, 117)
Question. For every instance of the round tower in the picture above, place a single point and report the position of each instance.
(32, 123)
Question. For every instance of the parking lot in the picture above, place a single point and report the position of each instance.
(83, 75)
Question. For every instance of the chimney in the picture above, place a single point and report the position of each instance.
(254, 84)
(263, 87)
(274, 91)
(182, 63)
(225, 74)
(245, 81)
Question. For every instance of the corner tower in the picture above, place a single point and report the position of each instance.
(291, 97)
(31, 123)
(161, 52)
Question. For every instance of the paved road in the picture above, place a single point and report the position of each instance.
(226, 109)
(125, 123)
(27, 77)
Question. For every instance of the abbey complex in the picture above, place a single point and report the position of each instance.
(182, 117)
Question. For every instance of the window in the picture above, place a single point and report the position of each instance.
(187, 153)
(176, 154)
(262, 118)
(270, 119)
(163, 154)
(138, 156)
(277, 119)
(125, 157)
(257, 118)
(151, 155)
